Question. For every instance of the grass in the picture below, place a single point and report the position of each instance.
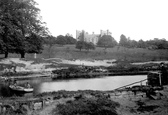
(125, 54)
(118, 53)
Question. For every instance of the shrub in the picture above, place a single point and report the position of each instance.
(84, 106)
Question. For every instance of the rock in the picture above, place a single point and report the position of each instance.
(37, 105)
(25, 108)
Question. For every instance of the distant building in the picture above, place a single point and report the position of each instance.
(106, 32)
(90, 37)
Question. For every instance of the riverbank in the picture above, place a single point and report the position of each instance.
(70, 76)
(126, 103)
(22, 69)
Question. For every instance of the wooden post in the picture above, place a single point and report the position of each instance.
(160, 79)
(43, 103)
(35, 56)
(0, 109)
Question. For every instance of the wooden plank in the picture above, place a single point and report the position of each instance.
(130, 84)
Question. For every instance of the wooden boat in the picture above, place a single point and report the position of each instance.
(20, 89)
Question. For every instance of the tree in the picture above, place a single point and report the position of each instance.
(141, 44)
(127, 42)
(60, 40)
(133, 43)
(6, 26)
(19, 21)
(157, 43)
(50, 41)
(123, 41)
(34, 44)
(70, 39)
(89, 46)
(2, 45)
(85, 45)
(80, 45)
(160, 43)
(107, 41)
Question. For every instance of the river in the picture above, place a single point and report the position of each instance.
(102, 83)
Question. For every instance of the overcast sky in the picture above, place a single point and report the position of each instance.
(137, 19)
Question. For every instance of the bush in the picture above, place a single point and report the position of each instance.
(17, 73)
(83, 106)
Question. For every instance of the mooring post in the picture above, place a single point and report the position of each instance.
(35, 55)
(0, 109)
(141, 83)
(160, 79)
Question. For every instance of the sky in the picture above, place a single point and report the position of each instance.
(137, 19)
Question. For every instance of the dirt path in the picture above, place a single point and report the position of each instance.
(48, 109)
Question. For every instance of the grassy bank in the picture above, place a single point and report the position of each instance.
(118, 53)
(124, 57)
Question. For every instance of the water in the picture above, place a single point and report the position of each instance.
(103, 84)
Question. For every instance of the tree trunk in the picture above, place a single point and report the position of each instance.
(6, 54)
(22, 54)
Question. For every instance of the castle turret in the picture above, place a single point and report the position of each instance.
(100, 32)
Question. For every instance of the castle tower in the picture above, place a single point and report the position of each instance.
(100, 32)
(83, 35)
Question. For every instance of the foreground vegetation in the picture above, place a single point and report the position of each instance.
(90, 102)
(87, 106)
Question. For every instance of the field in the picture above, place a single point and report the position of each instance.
(118, 53)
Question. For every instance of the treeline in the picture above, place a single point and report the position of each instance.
(61, 40)
(85, 45)
(156, 43)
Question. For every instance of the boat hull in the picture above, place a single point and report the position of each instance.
(20, 89)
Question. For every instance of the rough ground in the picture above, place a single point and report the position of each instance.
(130, 104)
(33, 66)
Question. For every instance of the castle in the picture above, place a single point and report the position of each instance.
(90, 37)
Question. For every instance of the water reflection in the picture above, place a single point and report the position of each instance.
(105, 83)
(48, 85)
